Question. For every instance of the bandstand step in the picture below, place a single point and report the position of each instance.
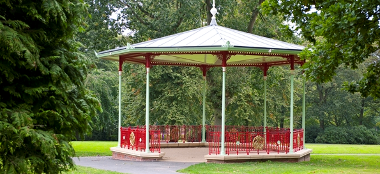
(302, 155)
(133, 155)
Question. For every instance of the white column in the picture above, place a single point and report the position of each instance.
(222, 149)
(204, 112)
(147, 112)
(119, 124)
(303, 112)
(265, 103)
(291, 111)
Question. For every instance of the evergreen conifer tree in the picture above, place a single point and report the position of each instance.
(43, 101)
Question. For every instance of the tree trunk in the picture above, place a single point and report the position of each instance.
(282, 122)
(361, 115)
(218, 116)
(255, 13)
(208, 8)
(322, 124)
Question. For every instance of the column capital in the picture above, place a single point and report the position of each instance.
(121, 61)
(148, 59)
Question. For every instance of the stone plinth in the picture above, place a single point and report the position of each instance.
(302, 155)
(133, 155)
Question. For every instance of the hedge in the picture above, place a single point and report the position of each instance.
(348, 135)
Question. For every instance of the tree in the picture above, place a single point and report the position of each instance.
(341, 33)
(278, 96)
(153, 19)
(44, 103)
(103, 83)
(102, 33)
(175, 95)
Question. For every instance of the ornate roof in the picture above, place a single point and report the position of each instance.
(201, 47)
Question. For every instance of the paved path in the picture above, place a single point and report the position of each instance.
(174, 159)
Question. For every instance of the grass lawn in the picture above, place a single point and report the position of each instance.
(102, 148)
(85, 170)
(343, 149)
(93, 148)
(317, 164)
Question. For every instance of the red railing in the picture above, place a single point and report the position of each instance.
(155, 141)
(248, 139)
(277, 140)
(184, 133)
(298, 140)
(238, 139)
(213, 139)
(134, 138)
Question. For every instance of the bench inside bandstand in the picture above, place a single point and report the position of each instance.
(242, 143)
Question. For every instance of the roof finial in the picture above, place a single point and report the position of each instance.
(213, 11)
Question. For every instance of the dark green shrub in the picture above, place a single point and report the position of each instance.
(348, 135)
(333, 135)
(312, 133)
(363, 135)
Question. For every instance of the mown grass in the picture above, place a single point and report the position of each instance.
(102, 148)
(343, 149)
(317, 164)
(86, 170)
(93, 148)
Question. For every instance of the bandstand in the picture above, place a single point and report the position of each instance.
(208, 47)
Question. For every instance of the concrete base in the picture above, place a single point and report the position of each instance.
(133, 155)
(302, 155)
(183, 145)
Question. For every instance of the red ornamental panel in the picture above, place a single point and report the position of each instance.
(154, 140)
(277, 139)
(134, 138)
(238, 139)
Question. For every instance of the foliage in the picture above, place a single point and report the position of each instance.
(102, 33)
(312, 132)
(176, 92)
(154, 19)
(331, 105)
(341, 33)
(104, 85)
(242, 101)
(175, 95)
(348, 135)
(44, 102)
(278, 96)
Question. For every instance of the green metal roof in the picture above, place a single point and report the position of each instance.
(201, 46)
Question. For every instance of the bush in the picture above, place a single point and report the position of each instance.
(312, 133)
(349, 135)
